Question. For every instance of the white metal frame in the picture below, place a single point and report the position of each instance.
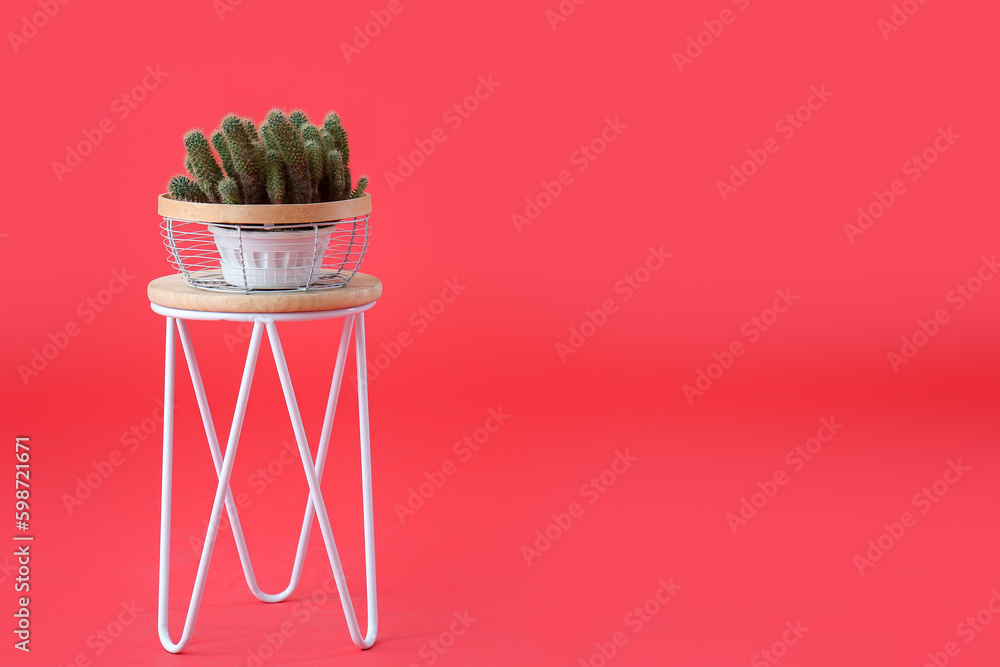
(224, 463)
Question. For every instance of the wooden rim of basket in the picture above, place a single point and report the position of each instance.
(264, 214)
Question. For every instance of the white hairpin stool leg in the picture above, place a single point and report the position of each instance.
(316, 494)
(167, 473)
(221, 493)
(366, 485)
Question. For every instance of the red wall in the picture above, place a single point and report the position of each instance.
(652, 219)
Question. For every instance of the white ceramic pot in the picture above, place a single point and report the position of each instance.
(276, 259)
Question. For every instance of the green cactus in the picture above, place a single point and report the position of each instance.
(229, 193)
(293, 152)
(222, 148)
(315, 161)
(183, 188)
(247, 159)
(287, 160)
(326, 141)
(251, 129)
(335, 166)
(275, 178)
(260, 159)
(337, 132)
(203, 166)
(333, 125)
(308, 131)
(268, 136)
(298, 118)
(360, 189)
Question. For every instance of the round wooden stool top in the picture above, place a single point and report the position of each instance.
(173, 292)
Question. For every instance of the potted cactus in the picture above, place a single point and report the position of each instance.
(270, 207)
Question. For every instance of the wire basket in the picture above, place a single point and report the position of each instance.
(214, 253)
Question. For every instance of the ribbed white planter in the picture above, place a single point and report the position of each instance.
(271, 260)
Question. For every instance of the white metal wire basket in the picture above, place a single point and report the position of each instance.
(221, 250)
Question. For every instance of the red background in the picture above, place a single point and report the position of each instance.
(496, 345)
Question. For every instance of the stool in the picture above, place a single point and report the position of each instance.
(173, 298)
